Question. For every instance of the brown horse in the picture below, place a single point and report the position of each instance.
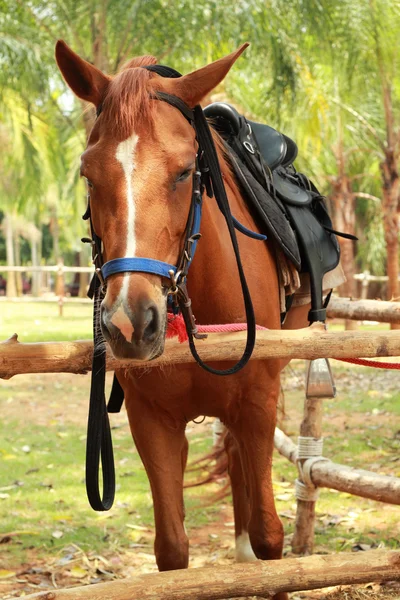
(138, 164)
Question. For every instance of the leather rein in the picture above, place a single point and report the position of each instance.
(207, 176)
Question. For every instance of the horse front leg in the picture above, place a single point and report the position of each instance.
(241, 504)
(254, 432)
(163, 448)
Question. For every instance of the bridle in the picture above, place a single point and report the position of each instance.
(208, 177)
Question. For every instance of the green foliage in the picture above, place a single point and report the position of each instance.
(314, 68)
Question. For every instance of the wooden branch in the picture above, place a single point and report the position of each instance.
(364, 310)
(262, 578)
(367, 196)
(312, 342)
(358, 482)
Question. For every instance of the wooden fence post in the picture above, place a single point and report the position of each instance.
(365, 285)
(60, 286)
(319, 385)
(311, 426)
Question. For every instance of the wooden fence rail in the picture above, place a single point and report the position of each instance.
(343, 478)
(310, 343)
(364, 310)
(263, 578)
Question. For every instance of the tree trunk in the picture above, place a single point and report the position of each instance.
(83, 277)
(11, 281)
(343, 216)
(391, 229)
(391, 188)
(55, 233)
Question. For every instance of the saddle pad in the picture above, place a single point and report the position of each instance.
(268, 212)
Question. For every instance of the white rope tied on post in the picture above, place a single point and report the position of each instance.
(309, 450)
(304, 492)
(308, 447)
(218, 428)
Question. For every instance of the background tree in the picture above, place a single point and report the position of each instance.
(324, 71)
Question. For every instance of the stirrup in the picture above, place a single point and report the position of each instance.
(319, 379)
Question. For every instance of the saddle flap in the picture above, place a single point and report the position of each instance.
(289, 190)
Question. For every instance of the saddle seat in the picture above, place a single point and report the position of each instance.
(276, 148)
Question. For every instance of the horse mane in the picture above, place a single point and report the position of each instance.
(128, 97)
(223, 156)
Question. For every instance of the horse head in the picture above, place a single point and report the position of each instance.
(139, 164)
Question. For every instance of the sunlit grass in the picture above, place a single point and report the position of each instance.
(42, 487)
(40, 322)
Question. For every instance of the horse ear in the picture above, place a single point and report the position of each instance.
(192, 88)
(84, 79)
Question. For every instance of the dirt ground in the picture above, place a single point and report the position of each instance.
(210, 544)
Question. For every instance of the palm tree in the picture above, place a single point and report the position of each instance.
(363, 36)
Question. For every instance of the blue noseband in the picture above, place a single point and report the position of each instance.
(143, 265)
(158, 267)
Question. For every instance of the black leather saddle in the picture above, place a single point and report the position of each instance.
(255, 141)
(276, 148)
(286, 203)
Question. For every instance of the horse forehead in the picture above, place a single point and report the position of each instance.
(125, 153)
(169, 121)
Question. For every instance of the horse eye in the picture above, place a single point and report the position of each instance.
(184, 175)
(89, 183)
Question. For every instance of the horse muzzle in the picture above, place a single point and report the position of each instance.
(134, 334)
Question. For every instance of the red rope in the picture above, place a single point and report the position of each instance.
(370, 363)
(176, 328)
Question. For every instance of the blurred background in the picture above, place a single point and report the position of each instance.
(326, 73)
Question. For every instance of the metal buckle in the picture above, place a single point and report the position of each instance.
(174, 277)
(249, 147)
(101, 278)
(189, 243)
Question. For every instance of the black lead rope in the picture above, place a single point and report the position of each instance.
(99, 442)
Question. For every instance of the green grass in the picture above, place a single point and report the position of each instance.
(40, 322)
(42, 487)
(42, 490)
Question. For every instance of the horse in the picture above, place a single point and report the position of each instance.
(139, 164)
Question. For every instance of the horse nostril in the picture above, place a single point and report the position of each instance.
(151, 324)
(104, 327)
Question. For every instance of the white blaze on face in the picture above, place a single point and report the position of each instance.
(125, 154)
(244, 551)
